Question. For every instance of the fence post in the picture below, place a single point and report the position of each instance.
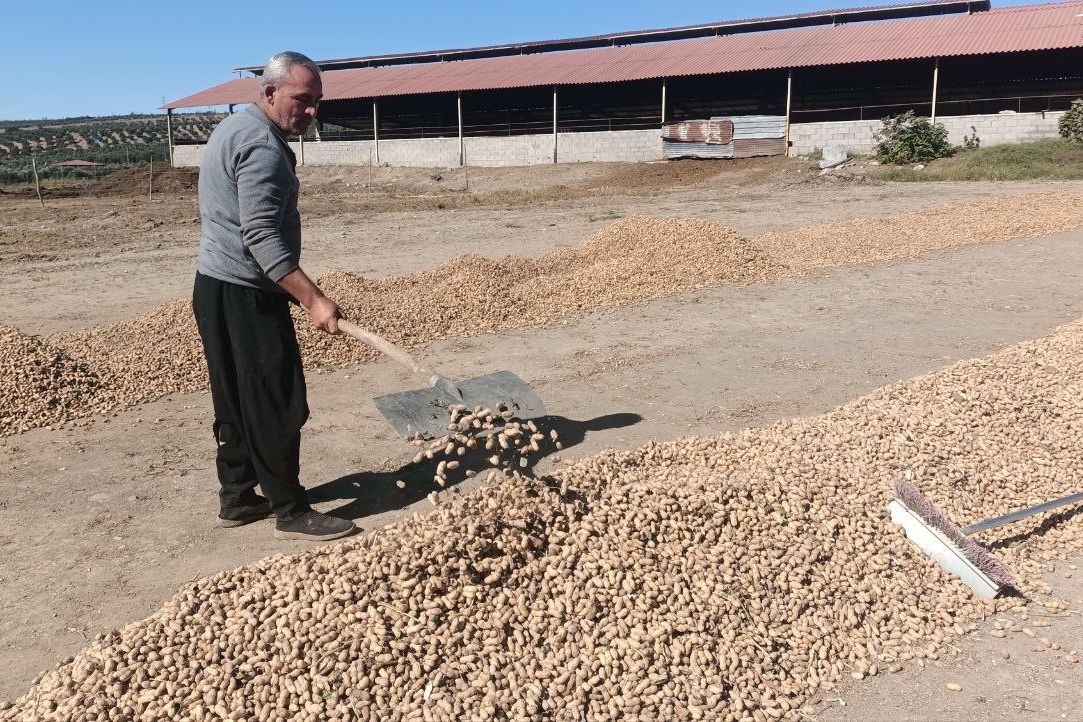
(936, 82)
(37, 184)
(169, 132)
(664, 83)
(462, 148)
(376, 131)
(789, 105)
(554, 124)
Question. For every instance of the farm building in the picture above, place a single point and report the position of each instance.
(832, 75)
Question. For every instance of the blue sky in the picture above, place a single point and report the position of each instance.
(69, 58)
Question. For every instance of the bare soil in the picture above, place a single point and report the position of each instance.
(99, 525)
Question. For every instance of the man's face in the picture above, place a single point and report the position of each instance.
(292, 104)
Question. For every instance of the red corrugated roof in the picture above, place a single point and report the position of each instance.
(1016, 29)
(684, 32)
(238, 90)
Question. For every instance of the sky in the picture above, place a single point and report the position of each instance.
(72, 58)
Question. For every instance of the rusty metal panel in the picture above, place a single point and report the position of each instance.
(717, 131)
(1004, 30)
(752, 147)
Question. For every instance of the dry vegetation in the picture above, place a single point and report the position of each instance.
(734, 577)
(631, 260)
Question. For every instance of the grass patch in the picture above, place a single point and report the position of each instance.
(1055, 159)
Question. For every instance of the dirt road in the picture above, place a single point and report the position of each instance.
(98, 526)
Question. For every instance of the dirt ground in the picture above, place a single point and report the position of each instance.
(99, 526)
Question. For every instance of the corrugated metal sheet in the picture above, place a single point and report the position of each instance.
(816, 17)
(752, 147)
(231, 92)
(757, 126)
(715, 131)
(1015, 29)
(672, 151)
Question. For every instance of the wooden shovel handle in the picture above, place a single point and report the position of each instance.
(385, 347)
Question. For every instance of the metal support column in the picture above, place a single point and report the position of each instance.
(789, 104)
(936, 82)
(462, 149)
(169, 132)
(663, 101)
(376, 132)
(301, 149)
(554, 124)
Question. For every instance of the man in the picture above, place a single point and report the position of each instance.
(247, 274)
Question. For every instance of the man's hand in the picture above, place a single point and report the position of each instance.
(323, 312)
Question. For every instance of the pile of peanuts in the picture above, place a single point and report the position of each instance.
(498, 436)
(40, 384)
(630, 261)
(738, 577)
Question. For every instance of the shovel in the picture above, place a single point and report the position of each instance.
(425, 411)
(951, 546)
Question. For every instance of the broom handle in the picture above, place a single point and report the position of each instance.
(385, 347)
(1021, 514)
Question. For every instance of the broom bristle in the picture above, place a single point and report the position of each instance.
(978, 555)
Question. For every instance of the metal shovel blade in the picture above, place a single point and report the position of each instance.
(424, 411)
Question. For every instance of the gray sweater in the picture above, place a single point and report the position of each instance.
(248, 203)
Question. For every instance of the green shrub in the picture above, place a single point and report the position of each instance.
(971, 141)
(910, 138)
(1071, 123)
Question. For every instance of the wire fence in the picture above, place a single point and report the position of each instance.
(505, 128)
(17, 171)
(957, 106)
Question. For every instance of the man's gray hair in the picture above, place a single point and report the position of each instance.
(279, 66)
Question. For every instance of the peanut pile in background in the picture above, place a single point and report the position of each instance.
(635, 259)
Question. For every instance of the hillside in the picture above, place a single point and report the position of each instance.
(116, 141)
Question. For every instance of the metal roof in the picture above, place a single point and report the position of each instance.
(1015, 29)
(728, 27)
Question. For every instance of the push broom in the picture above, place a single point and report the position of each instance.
(950, 546)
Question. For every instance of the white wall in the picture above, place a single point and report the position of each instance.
(617, 145)
(857, 135)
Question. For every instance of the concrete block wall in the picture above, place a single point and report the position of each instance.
(420, 153)
(494, 151)
(857, 135)
(335, 152)
(617, 145)
(187, 155)
(629, 146)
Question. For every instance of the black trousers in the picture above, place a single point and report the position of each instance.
(258, 390)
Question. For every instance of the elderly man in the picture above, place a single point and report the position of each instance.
(247, 274)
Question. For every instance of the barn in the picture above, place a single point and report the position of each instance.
(1005, 74)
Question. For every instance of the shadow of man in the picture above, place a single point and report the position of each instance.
(374, 492)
